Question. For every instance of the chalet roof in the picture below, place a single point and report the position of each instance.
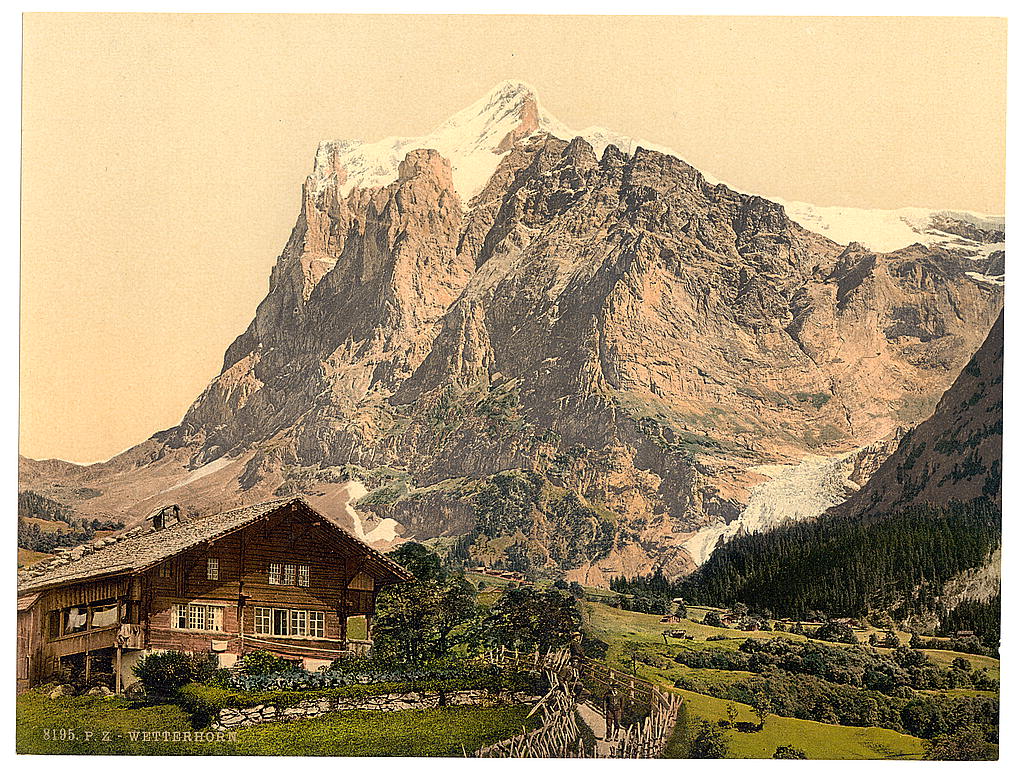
(139, 548)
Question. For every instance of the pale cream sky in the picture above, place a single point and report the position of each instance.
(163, 155)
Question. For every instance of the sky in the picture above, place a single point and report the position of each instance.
(163, 155)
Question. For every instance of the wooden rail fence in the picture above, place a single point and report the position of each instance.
(559, 735)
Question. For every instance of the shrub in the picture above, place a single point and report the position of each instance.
(709, 741)
(713, 619)
(264, 663)
(435, 676)
(788, 752)
(965, 745)
(163, 674)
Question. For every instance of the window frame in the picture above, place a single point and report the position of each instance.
(299, 623)
(212, 568)
(185, 616)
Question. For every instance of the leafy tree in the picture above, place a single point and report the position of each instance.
(420, 561)
(890, 639)
(965, 745)
(415, 620)
(962, 664)
(633, 651)
(835, 632)
(527, 618)
(731, 713)
(713, 619)
(762, 707)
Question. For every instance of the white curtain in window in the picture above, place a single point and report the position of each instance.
(104, 616)
(77, 617)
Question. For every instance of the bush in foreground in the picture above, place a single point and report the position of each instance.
(164, 673)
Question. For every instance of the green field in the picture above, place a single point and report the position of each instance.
(818, 741)
(628, 633)
(44, 726)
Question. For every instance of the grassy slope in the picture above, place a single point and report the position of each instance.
(47, 525)
(438, 732)
(498, 584)
(820, 741)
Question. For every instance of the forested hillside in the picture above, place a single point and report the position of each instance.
(843, 566)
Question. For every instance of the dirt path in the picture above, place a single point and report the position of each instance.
(594, 719)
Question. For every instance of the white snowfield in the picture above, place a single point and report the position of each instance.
(471, 138)
(385, 531)
(791, 493)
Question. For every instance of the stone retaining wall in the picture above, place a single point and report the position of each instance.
(230, 718)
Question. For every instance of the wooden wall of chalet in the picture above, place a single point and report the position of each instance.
(244, 560)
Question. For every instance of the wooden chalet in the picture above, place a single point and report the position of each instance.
(276, 576)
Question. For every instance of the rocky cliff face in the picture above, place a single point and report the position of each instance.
(579, 360)
(956, 453)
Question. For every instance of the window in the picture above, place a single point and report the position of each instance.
(280, 616)
(104, 615)
(75, 619)
(166, 569)
(282, 622)
(212, 569)
(300, 622)
(262, 621)
(316, 624)
(195, 616)
(288, 574)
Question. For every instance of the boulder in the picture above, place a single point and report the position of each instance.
(63, 690)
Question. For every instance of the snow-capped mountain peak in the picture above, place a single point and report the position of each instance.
(476, 138)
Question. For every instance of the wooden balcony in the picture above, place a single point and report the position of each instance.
(79, 643)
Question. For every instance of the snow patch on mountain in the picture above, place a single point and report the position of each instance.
(208, 469)
(882, 230)
(385, 531)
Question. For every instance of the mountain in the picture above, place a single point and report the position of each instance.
(921, 537)
(556, 350)
(955, 454)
